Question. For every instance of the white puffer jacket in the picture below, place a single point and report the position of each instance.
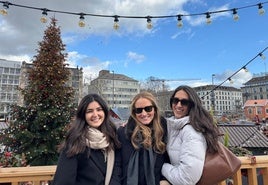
(187, 149)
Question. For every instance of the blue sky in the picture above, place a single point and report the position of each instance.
(195, 51)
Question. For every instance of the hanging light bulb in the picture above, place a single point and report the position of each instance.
(5, 7)
(81, 22)
(208, 21)
(235, 15)
(149, 23)
(245, 69)
(116, 24)
(262, 56)
(180, 23)
(260, 9)
(43, 19)
(230, 80)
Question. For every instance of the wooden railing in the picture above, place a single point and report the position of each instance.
(254, 171)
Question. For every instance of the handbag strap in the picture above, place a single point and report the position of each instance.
(184, 126)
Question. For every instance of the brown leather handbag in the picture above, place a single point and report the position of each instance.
(219, 166)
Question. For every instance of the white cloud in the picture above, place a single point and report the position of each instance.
(138, 58)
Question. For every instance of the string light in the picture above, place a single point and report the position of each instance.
(245, 69)
(262, 56)
(208, 21)
(149, 18)
(5, 7)
(235, 15)
(242, 68)
(116, 24)
(81, 22)
(43, 19)
(149, 23)
(180, 23)
(230, 80)
(260, 9)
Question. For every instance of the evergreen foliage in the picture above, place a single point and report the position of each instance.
(40, 123)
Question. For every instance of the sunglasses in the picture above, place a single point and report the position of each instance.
(147, 109)
(184, 102)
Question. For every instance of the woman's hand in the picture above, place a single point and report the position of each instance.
(164, 182)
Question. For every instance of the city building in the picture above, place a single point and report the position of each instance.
(14, 74)
(222, 99)
(117, 89)
(9, 82)
(256, 110)
(256, 88)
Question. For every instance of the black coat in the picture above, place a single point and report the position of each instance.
(83, 170)
(127, 149)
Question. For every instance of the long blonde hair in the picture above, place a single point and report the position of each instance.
(154, 140)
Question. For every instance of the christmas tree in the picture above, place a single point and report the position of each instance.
(40, 124)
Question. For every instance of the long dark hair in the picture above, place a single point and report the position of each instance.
(200, 118)
(75, 141)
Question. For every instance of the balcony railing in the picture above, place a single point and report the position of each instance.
(253, 171)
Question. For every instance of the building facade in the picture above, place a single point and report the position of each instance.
(14, 74)
(9, 82)
(256, 88)
(222, 100)
(118, 90)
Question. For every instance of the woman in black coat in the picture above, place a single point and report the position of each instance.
(143, 143)
(88, 154)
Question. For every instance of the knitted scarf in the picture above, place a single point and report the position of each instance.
(97, 140)
(133, 166)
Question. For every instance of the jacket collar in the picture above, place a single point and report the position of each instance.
(177, 124)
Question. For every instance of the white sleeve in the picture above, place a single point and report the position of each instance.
(191, 159)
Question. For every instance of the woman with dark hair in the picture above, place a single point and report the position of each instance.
(88, 153)
(143, 140)
(191, 132)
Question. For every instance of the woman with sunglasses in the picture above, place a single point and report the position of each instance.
(191, 132)
(143, 143)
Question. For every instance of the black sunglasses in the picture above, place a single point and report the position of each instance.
(184, 102)
(147, 109)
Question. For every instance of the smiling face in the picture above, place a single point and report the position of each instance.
(180, 109)
(94, 114)
(147, 111)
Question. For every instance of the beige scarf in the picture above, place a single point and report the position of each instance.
(97, 140)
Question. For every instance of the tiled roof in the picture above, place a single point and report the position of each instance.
(244, 136)
(257, 80)
(260, 102)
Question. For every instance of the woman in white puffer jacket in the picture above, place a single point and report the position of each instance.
(191, 132)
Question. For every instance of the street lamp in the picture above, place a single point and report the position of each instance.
(213, 94)
(113, 88)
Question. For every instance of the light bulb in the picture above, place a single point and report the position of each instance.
(43, 19)
(262, 56)
(180, 23)
(116, 23)
(230, 80)
(208, 21)
(245, 69)
(4, 10)
(261, 11)
(149, 23)
(81, 22)
(235, 15)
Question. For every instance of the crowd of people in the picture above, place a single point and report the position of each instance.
(148, 150)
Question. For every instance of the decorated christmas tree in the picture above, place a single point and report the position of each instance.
(40, 123)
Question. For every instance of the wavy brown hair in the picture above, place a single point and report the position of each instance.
(150, 136)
